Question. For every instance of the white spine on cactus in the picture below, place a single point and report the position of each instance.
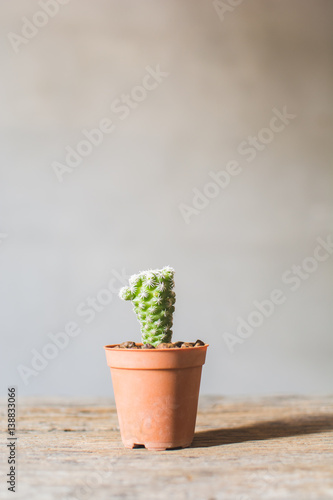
(122, 292)
(151, 282)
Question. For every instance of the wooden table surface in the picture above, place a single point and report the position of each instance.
(259, 448)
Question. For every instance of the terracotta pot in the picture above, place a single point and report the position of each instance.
(156, 393)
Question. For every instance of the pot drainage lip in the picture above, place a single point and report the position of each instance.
(139, 446)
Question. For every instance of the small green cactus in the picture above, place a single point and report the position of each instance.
(153, 300)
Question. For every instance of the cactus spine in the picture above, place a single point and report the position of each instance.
(153, 300)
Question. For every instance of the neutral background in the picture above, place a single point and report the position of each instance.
(119, 209)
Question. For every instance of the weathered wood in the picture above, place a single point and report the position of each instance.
(268, 448)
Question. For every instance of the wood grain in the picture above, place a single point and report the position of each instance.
(268, 448)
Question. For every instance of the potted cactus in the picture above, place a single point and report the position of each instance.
(156, 382)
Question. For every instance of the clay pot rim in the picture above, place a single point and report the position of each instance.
(111, 347)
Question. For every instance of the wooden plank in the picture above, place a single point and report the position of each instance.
(267, 448)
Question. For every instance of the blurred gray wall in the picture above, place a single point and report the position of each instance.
(64, 246)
